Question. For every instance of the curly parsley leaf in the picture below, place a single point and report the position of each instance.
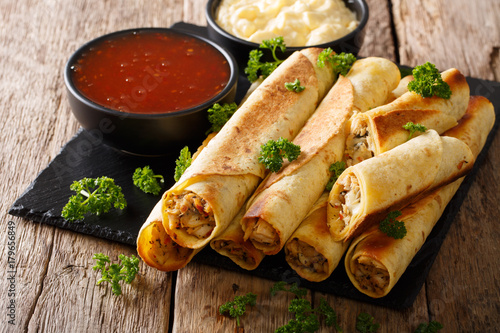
(427, 82)
(412, 128)
(341, 63)
(274, 151)
(294, 86)
(93, 196)
(307, 319)
(182, 163)
(147, 181)
(237, 307)
(114, 273)
(365, 324)
(431, 327)
(218, 115)
(336, 169)
(392, 227)
(256, 68)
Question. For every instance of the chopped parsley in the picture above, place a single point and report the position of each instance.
(256, 68)
(341, 62)
(114, 273)
(294, 86)
(427, 82)
(182, 163)
(392, 227)
(218, 115)
(147, 181)
(336, 169)
(412, 128)
(274, 151)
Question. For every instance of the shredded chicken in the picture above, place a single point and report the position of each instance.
(358, 146)
(349, 201)
(370, 274)
(163, 248)
(305, 257)
(262, 233)
(233, 250)
(192, 214)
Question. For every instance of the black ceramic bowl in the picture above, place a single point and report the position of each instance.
(142, 133)
(350, 43)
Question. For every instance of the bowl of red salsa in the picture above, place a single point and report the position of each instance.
(147, 90)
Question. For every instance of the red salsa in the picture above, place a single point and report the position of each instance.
(151, 72)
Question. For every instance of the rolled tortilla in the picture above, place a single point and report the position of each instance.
(284, 198)
(216, 185)
(366, 192)
(232, 245)
(157, 249)
(375, 262)
(311, 250)
(381, 129)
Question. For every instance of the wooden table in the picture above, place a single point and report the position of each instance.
(54, 282)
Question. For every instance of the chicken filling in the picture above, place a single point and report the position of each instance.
(370, 274)
(192, 214)
(262, 233)
(163, 248)
(358, 147)
(349, 199)
(234, 250)
(305, 257)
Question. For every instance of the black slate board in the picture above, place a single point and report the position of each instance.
(85, 156)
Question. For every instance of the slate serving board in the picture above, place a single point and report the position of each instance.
(85, 156)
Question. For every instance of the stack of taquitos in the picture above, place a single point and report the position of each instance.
(375, 262)
(214, 188)
(381, 129)
(283, 199)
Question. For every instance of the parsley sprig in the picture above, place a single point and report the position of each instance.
(341, 62)
(412, 128)
(145, 179)
(93, 196)
(219, 114)
(365, 323)
(431, 327)
(114, 273)
(237, 307)
(294, 86)
(306, 317)
(336, 170)
(427, 82)
(392, 227)
(255, 67)
(274, 151)
(182, 163)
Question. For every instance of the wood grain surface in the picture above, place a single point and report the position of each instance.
(54, 283)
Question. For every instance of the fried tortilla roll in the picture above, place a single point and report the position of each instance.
(157, 249)
(375, 261)
(284, 198)
(232, 245)
(381, 129)
(311, 250)
(216, 185)
(369, 190)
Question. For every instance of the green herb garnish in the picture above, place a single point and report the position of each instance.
(412, 128)
(237, 307)
(341, 62)
(273, 152)
(218, 115)
(114, 273)
(93, 196)
(147, 181)
(427, 82)
(336, 169)
(255, 68)
(431, 327)
(182, 163)
(306, 318)
(294, 86)
(365, 324)
(392, 227)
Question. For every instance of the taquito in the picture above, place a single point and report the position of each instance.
(369, 190)
(216, 185)
(381, 129)
(232, 245)
(157, 249)
(311, 250)
(375, 262)
(284, 198)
